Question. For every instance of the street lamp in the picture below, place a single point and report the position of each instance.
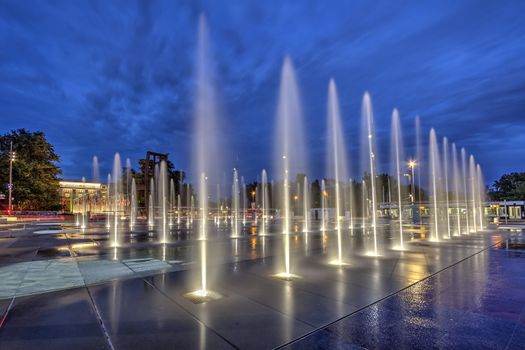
(412, 165)
(12, 156)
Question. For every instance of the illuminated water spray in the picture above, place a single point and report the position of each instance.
(336, 162)
(445, 175)
(434, 185)
(397, 154)
(289, 152)
(206, 151)
(264, 204)
(368, 119)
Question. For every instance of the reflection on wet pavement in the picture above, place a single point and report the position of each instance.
(433, 295)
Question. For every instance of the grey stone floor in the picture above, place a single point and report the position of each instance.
(131, 297)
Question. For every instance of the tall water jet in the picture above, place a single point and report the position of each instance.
(235, 205)
(324, 195)
(108, 203)
(178, 209)
(133, 212)
(171, 203)
(203, 232)
(117, 191)
(434, 168)
(288, 153)
(264, 202)
(206, 149)
(473, 192)
(445, 175)
(127, 184)
(151, 208)
(96, 170)
(457, 185)
(189, 206)
(370, 160)
(85, 195)
(481, 196)
(364, 202)
(464, 175)
(351, 205)
(192, 208)
(218, 217)
(418, 162)
(243, 200)
(336, 161)
(163, 200)
(306, 205)
(396, 156)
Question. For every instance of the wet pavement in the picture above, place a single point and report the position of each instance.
(464, 293)
(478, 303)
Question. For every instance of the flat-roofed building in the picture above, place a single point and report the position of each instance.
(76, 195)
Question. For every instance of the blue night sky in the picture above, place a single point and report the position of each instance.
(104, 76)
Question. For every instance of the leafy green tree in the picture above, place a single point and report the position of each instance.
(35, 173)
(509, 187)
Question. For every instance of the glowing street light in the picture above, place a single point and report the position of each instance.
(12, 157)
(412, 166)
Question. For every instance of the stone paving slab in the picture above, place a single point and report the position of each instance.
(145, 265)
(59, 320)
(258, 311)
(96, 271)
(476, 304)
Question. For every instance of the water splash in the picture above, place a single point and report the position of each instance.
(116, 194)
(435, 177)
(396, 156)
(235, 205)
(445, 176)
(456, 173)
(289, 148)
(133, 211)
(96, 170)
(264, 202)
(464, 174)
(336, 160)
(306, 205)
(370, 160)
(473, 192)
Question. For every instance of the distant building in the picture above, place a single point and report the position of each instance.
(512, 210)
(74, 195)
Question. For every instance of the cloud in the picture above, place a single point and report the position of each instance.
(102, 77)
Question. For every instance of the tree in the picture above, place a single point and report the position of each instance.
(35, 174)
(509, 187)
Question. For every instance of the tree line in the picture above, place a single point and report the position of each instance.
(36, 175)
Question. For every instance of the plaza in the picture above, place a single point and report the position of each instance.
(64, 287)
(261, 175)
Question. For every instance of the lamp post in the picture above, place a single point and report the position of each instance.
(10, 185)
(412, 165)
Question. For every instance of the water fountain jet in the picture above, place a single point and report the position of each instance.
(368, 120)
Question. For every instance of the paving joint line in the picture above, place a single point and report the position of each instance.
(380, 300)
(100, 320)
(191, 314)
